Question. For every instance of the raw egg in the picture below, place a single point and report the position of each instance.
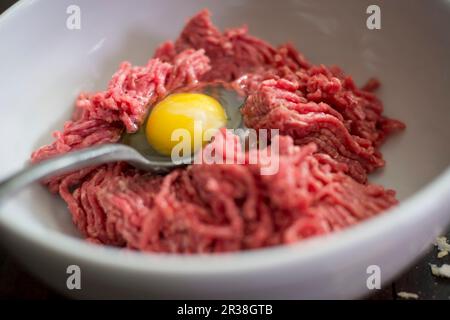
(193, 113)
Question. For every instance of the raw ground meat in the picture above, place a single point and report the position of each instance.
(330, 133)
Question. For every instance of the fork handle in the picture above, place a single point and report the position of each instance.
(63, 164)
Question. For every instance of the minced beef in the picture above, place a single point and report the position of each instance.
(330, 134)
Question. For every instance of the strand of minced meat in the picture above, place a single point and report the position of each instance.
(223, 207)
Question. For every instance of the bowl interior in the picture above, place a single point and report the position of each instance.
(46, 65)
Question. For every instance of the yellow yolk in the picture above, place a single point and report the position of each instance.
(193, 112)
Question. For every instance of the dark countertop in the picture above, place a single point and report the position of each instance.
(15, 283)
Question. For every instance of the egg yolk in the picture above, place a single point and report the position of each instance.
(193, 112)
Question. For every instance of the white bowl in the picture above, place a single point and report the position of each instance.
(44, 65)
